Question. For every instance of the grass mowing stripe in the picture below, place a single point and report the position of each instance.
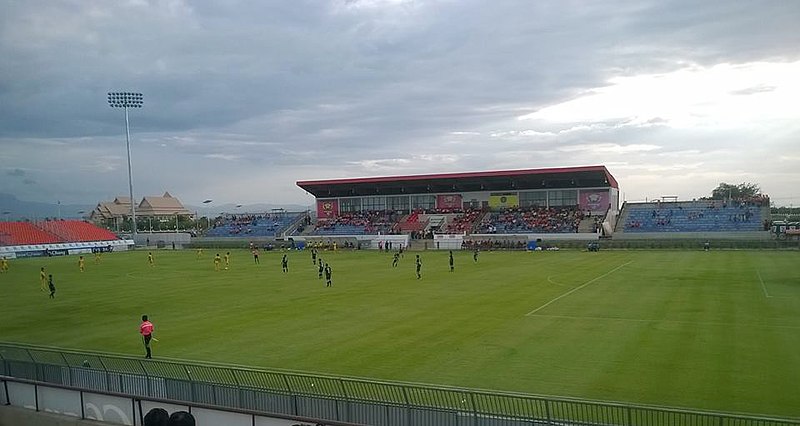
(577, 288)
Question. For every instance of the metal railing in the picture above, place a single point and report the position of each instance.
(332, 398)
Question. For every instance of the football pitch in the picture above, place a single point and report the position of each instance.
(715, 330)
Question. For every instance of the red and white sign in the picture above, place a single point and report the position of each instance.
(327, 209)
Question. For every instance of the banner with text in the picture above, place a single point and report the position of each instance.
(503, 200)
(327, 209)
(449, 201)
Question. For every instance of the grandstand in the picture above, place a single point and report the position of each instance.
(255, 224)
(571, 203)
(54, 237)
(364, 222)
(532, 202)
(533, 220)
(24, 233)
(694, 216)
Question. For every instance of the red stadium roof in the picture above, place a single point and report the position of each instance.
(357, 185)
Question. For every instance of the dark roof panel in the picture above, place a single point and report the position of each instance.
(399, 184)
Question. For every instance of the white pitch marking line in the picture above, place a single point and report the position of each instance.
(549, 279)
(666, 321)
(577, 288)
(762, 284)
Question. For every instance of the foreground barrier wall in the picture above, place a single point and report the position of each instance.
(14, 416)
(33, 403)
(333, 399)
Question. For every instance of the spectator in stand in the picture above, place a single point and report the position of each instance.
(181, 418)
(156, 417)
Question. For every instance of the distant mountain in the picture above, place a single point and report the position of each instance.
(12, 208)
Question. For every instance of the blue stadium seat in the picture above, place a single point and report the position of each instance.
(692, 217)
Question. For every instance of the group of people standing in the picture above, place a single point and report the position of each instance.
(418, 261)
(322, 267)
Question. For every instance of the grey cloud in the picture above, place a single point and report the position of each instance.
(345, 87)
(16, 172)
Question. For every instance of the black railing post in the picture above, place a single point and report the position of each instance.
(547, 411)
(146, 378)
(474, 408)
(36, 367)
(8, 397)
(69, 368)
(108, 376)
(346, 401)
(240, 393)
(408, 405)
(291, 393)
(191, 382)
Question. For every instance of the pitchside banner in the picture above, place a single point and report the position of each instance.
(594, 200)
(503, 200)
(449, 201)
(327, 209)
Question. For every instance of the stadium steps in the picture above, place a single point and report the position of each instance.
(477, 224)
(587, 225)
(436, 221)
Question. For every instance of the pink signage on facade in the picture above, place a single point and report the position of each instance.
(594, 200)
(449, 201)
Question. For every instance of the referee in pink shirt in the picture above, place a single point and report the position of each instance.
(146, 329)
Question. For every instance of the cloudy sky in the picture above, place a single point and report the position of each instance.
(244, 98)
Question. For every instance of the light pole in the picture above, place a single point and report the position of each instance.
(207, 202)
(127, 100)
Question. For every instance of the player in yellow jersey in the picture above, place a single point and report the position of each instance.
(43, 278)
(81, 263)
(227, 260)
(199, 253)
(217, 261)
(4, 264)
(150, 259)
(97, 257)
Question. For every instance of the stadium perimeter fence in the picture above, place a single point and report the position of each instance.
(332, 398)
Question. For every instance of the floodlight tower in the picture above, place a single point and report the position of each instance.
(127, 100)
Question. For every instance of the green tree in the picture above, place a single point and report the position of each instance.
(742, 190)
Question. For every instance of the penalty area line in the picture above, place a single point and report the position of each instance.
(577, 288)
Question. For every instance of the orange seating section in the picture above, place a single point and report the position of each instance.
(48, 232)
(22, 233)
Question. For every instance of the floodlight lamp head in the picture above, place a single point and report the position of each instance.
(125, 99)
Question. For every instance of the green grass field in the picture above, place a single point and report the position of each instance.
(717, 330)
